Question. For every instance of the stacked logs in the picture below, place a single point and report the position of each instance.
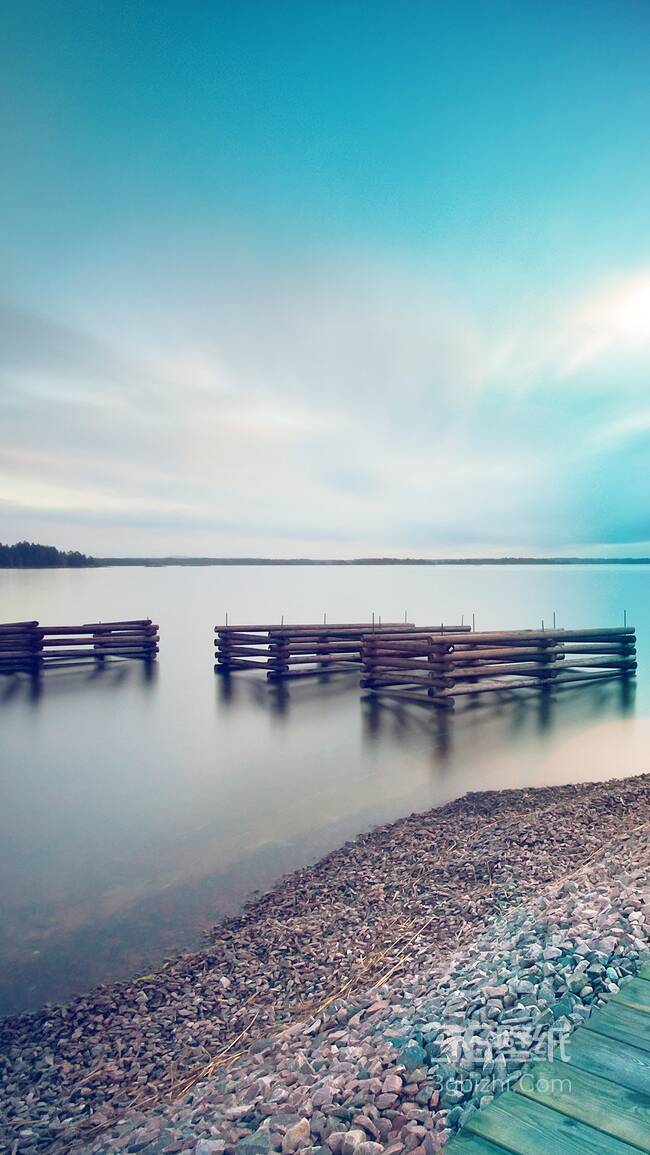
(435, 671)
(304, 650)
(28, 647)
(20, 647)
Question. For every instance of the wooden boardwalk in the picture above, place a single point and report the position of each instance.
(596, 1102)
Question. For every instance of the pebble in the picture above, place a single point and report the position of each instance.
(543, 883)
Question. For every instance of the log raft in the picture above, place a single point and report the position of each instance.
(434, 671)
(28, 647)
(302, 651)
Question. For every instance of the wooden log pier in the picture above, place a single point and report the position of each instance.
(301, 651)
(28, 647)
(434, 670)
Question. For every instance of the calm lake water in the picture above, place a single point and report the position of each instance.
(135, 811)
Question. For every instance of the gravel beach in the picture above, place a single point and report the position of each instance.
(368, 1003)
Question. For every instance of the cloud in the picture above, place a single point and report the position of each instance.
(356, 404)
(580, 340)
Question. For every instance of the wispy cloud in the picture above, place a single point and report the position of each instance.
(359, 405)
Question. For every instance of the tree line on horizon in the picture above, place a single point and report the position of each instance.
(32, 555)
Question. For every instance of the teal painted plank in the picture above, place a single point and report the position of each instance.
(635, 994)
(614, 1110)
(644, 973)
(465, 1144)
(524, 1127)
(618, 1022)
(628, 1066)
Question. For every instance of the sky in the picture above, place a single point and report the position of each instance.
(324, 278)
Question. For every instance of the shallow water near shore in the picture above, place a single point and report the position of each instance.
(137, 809)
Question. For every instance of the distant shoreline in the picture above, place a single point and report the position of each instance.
(394, 561)
(153, 562)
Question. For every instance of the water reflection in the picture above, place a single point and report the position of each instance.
(515, 711)
(110, 676)
(276, 698)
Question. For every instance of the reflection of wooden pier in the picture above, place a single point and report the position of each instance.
(27, 647)
(303, 650)
(434, 670)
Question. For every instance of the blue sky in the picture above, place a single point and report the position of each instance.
(326, 278)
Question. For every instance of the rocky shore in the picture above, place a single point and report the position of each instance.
(366, 1004)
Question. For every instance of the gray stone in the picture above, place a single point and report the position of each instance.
(297, 1136)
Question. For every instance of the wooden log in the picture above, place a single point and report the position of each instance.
(17, 642)
(279, 675)
(491, 686)
(401, 663)
(94, 640)
(100, 639)
(599, 647)
(478, 671)
(323, 647)
(495, 686)
(90, 652)
(314, 627)
(586, 679)
(314, 660)
(240, 665)
(98, 627)
(418, 699)
(600, 664)
(244, 651)
(512, 637)
(403, 679)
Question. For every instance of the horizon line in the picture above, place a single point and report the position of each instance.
(180, 559)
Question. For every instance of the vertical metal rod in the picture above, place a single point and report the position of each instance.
(405, 617)
(226, 617)
(462, 619)
(473, 623)
(625, 617)
(542, 625)
(282, 620)
(553, 619)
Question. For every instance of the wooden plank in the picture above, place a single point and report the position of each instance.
(635, 994)
(524, 1127)
(623, 1064)
(614, 1110)
(467, 1144)
(616, 1021)
(644, 973)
